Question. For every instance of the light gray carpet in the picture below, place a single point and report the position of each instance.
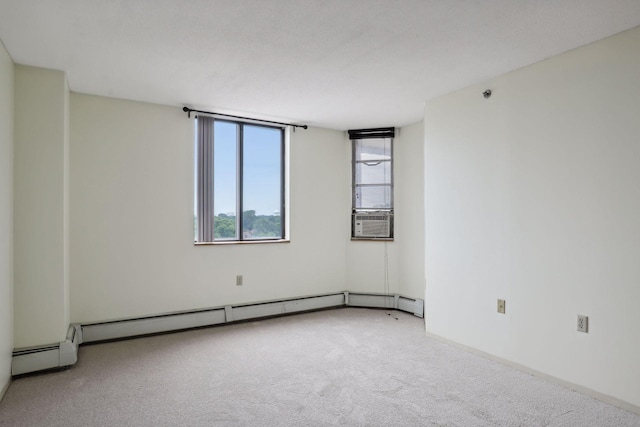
(355, 367)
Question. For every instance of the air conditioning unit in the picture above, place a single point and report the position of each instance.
(373, 225)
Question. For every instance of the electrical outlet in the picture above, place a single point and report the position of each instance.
(583, 323)
(239, 280)
(501, 306)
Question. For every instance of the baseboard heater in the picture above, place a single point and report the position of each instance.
(65, 353)
(40, 358)
(396, 302)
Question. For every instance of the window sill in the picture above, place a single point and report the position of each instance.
(372, 239)
(241, 242)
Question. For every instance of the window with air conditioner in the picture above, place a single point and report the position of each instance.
(372, 183)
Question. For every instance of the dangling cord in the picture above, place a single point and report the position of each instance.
(386, 279)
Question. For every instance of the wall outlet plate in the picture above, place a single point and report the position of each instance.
(583, 323)
(501, 306)
(239, 280)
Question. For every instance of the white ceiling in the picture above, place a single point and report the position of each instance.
(340, 64)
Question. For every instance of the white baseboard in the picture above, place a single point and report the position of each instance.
(66, 353)
(575, 387)
(52, 356)
(396, 302)
(125, 328)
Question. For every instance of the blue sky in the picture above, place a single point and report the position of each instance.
(262, 157)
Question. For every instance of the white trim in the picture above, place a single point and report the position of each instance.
(52, 356)
(388, 301)
(167, 322)
(66, 353)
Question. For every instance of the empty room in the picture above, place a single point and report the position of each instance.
(319, 212)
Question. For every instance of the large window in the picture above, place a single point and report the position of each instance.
(239, 181)
(372, 183)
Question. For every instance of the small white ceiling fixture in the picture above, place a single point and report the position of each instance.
(331, 63)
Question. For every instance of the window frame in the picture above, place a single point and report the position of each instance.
(356, 137)
(355, 185)
(204, 186)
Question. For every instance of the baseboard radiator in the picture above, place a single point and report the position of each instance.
(62, 354)
(66, 353)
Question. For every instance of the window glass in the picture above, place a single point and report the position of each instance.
(239, 181)
(373, 197)
(225, 192)
(373, 172)
(373, 149)
(262, 189)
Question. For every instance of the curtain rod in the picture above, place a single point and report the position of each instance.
(190, 110)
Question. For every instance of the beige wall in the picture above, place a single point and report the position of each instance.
(103, 216)
(41, 312)
(396, 266)
(533, 196)
(371, 266)
(132, 250)
(6, 217)
(409, 209)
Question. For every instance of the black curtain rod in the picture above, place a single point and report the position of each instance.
(189, 111)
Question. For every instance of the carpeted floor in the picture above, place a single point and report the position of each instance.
(354, 367)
